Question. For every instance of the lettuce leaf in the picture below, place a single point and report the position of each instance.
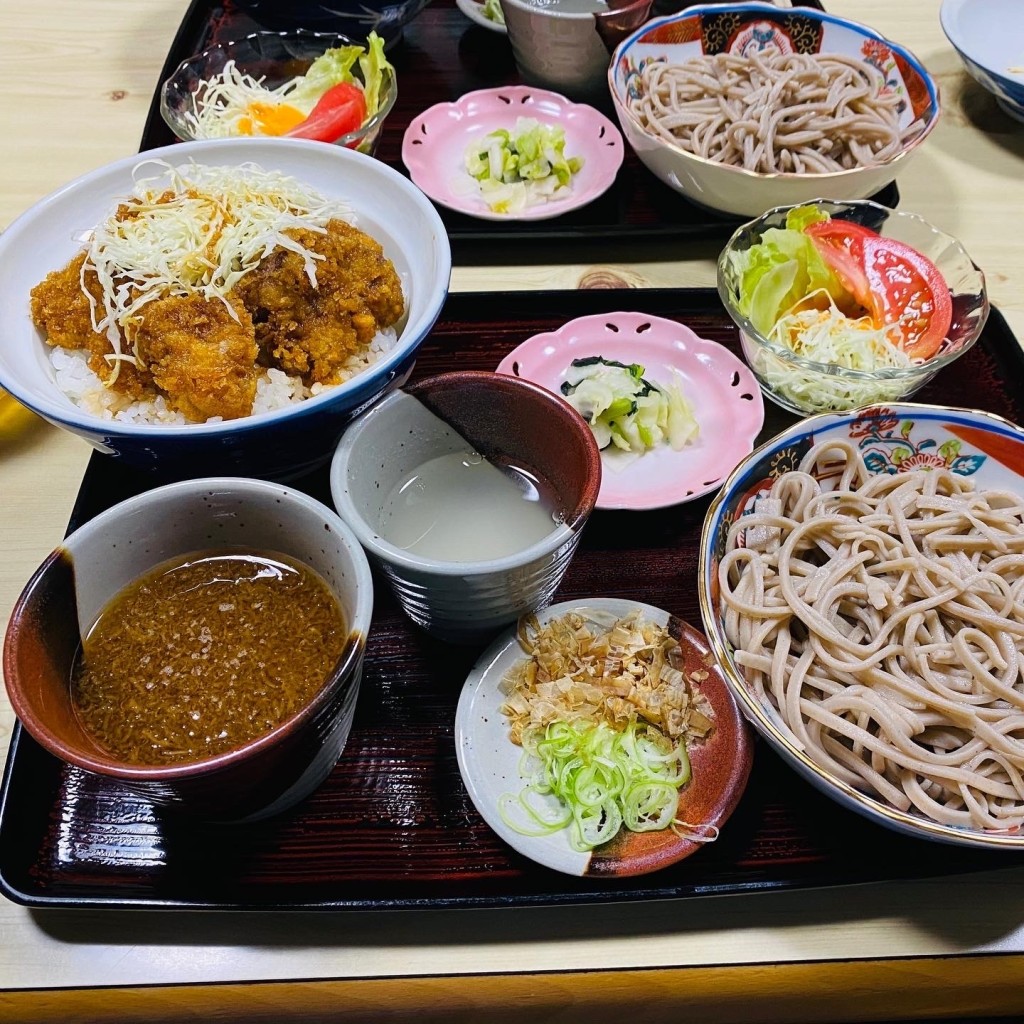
(336, 66)
(782, 270)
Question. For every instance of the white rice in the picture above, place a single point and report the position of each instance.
(275, 389)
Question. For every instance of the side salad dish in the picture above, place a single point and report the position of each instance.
(342, 90)
(522, 167)
(837, 293)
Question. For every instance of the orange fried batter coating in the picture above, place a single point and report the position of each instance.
(199, 355)
(61, 310)
(312, 331)
(206, 361)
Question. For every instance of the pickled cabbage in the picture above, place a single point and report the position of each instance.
(627, 411)
(519, 168)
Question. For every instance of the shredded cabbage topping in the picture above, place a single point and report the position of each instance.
(604, 716)
(195, 229)
(523, 167)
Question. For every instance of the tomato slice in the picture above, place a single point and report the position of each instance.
(897, 285)
(342, 109)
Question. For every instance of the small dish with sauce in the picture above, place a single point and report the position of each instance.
(470, 490)
(216, 641)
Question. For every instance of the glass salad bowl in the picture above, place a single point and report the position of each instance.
(828, 368)
(271, 60)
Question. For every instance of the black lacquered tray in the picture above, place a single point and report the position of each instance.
(393, 827)
(441, 56)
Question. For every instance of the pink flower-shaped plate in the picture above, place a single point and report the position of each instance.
(435, 143)
(721, 389)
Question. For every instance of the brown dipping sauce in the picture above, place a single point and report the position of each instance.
(205, 653)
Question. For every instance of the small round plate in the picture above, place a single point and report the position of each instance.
(475, 12)
(435, 143)
(724, 394)
(489, 760)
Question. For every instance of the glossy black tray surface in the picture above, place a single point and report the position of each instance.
(441, 56)
(393, 827)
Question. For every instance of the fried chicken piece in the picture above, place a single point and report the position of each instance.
(201, 357)
(312, 331)
(61, 310)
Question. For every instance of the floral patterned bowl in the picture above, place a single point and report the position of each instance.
(804, 385)
(892, 439)
(742, 28)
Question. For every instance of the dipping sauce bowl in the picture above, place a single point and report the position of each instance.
(97, 561)
(545, 461)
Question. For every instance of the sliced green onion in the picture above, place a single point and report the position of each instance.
(601, 779)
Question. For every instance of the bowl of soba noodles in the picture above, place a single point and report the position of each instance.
(860, 583)
(742, 107)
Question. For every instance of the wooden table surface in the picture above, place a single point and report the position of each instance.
(76, 80)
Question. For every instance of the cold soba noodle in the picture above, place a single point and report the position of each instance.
(884, 619)
(803, 113)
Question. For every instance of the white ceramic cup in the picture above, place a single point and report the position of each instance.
(556, 45)
(499, 416)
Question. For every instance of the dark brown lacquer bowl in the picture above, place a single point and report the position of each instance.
(75, 583)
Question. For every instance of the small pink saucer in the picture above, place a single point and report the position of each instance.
(434, 147)
(724, 394)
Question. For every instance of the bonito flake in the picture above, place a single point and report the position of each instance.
(581, 667)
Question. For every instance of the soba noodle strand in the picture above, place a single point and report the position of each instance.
(770, 112)
(883, 617)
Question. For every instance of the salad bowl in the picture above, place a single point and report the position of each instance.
(275, 59)
(830, 368)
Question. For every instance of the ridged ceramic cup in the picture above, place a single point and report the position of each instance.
(505, 419)
(74, 584)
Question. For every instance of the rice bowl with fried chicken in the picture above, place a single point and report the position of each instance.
(214, 292)
(308, 385)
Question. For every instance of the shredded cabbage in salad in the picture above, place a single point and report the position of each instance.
(234, 103)
(833, 339)
(520, 168)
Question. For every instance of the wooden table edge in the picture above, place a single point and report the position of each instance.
(904, 989)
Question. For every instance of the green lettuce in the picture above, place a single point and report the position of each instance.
(783, 268)
(335, 66)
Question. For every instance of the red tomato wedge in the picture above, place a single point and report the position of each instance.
(895, 283)
(342, 109)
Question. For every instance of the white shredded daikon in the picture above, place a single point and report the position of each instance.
(195, 229)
